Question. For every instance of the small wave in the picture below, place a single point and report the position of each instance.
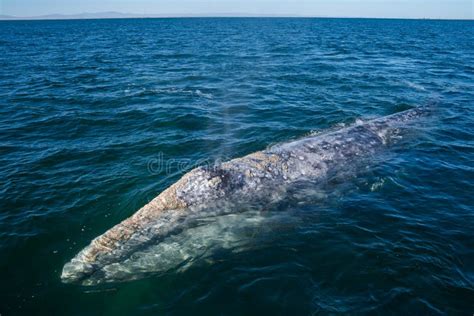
(377, 185)
(167, 91)
(414, 85)
(204, 95)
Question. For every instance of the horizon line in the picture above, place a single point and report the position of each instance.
(120, 15)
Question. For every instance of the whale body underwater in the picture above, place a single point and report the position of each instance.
(148, 240)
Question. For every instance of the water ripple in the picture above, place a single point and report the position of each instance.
(87, 105)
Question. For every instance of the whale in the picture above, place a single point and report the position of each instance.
(159, 236)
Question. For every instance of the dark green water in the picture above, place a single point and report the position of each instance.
(88, 107)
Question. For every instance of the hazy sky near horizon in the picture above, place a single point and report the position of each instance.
(451, 9)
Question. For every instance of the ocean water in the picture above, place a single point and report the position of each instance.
(98, 117)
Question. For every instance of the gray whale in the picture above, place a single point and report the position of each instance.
(220, 189)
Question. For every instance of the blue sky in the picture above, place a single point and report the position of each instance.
(450, 9)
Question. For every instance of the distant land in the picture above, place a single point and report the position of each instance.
(99, 15)
(119, 15)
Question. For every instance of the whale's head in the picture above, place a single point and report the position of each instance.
(77, 271)
(154, 220)
(192, 247)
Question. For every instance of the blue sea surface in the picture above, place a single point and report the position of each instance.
(88, 108)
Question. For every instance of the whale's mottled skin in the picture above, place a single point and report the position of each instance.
(255, 176)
